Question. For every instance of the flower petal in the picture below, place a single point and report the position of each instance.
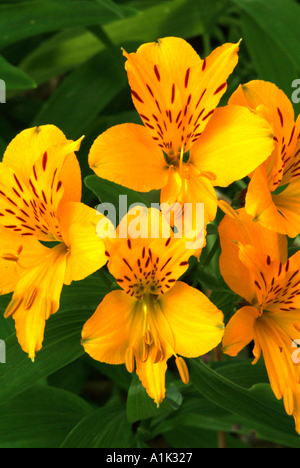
(127, 155)
(196, 323)
(233, 144)
(240, 330)
(152, 376)
(169, 79)
(78, 224)
(245, 231)
(36, 297)
(105, 336)
(28, 146)
(275, 212)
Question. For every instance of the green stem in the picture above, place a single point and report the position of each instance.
(212, 252)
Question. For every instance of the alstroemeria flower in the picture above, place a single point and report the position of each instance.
(273, 195)
(154, 316)
(40, 192)
(186, 146)
(256, 267)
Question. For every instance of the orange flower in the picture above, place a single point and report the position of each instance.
(256, 267)
(40, 191)
(154, 316)
(186, 146)
(273, 196)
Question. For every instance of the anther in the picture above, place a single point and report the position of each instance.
(145, 350)
(183, 370)
(30, 298)
(13, 306)
(157, 354)
(10, 257)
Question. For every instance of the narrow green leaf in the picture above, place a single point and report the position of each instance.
(251, 404)
(141, 406)
(40, 417)
(70, 48)
(83, 94)
(279, 20)
(14, 78)
(266, 56)
(109, 192)
(61, 346)
(106, 427)
(38, 17)
(208, 279)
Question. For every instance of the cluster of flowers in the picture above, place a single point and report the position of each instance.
(186, 147)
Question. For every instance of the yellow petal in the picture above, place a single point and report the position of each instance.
(127, 155)
(190, 186)
(36, 297)
(105, 336)
(78, 224)
(28, 146)
(167, 78)
(240, 330)
(277, 212)
(196, 323)
(29, 205)
(267, 100)
(152, 376)
(245, 231)
(233, 144)
(277, 351)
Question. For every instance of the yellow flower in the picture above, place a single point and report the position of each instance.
(154, 316)
(256, 267)
(273, 196)
(40, 192)
(186, 146)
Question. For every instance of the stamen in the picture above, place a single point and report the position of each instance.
(10, 257)
(13, 306)
(148, 337)
(30, 298)
(156, 354)
(183, 370)
(145, 350)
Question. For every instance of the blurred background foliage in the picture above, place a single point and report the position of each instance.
(62, 64)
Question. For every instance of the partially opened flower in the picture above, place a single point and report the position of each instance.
(255, 266)
(186, 146)
(273, 195)
(40, 192)
(154, 316)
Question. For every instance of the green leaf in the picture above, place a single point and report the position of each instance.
(85, 294)
(106, 427)
(14, 78)
(83, 94)
(271, 63)
(61, 346)
(37, 17)
(140, 406)
(208, 279)
(264, 412)
(280, 21)
(70, 48)
(40, 417)
(109, 192)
